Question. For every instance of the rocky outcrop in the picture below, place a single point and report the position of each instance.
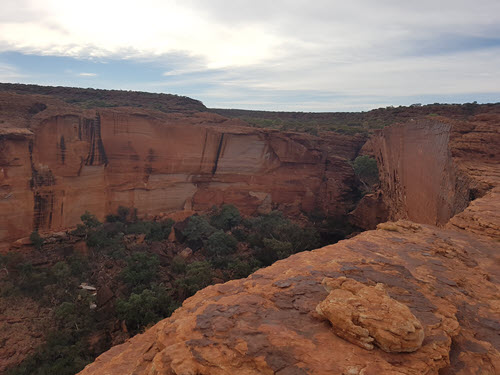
(267, 323)
(366, 315)
(447, 277)
(59, 161)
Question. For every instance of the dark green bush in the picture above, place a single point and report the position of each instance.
(225, 218)
(160, 230)
(240, 268)
(220, 244)
(89, 220)
(61, 272)
(36, 240)
(76, 316)
(275, 237)
(141, 271)
(197, 230)
(178, 264)
(366, 169)
(154, 231)
(147, 307)
(198, 276)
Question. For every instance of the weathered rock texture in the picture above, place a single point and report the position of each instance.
(366, 315)
(267, 323)
(430, 170)
(57, 161)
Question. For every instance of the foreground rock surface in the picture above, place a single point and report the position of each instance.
(267, 323)
(366, 315)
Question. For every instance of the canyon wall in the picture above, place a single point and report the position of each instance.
(418, 176)
(431, 169)
(447, 277)
(63, 161)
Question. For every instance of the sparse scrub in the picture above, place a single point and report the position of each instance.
(36, 240)
(366, 169)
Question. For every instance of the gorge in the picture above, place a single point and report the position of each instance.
(434, 249)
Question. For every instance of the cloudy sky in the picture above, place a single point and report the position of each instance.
(315, 55)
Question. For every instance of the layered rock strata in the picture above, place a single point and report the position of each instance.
(57, 161)
(367, 316)
(448, 277)
(430, 170)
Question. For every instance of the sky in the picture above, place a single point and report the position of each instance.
(285, 55)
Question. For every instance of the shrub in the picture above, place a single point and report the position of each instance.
(198, 276)
(61, 272)
(141, 270)
(75, 316)
(226, 218)
(220, 244)
(366, 169)
(62, 354)
(36, 240)
(178, 264)
(197, 230)
(275, 237)
(89, 220)
(147, 307)
(159, 231)
(154, 231)
(240, 268)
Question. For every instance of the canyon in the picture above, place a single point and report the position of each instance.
(443, 265)
(58, 161)
(431, 241)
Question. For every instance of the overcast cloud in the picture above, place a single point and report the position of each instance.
(283, 55)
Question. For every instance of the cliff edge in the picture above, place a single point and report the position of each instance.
(446, 271)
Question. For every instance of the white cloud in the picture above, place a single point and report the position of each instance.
(87, 74)
(361, 47)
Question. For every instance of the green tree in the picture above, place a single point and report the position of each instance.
(141, 270)
(147, 307)
(197, 230)
(198, 276)
(226, 218)
(366, 169)
(220, 244)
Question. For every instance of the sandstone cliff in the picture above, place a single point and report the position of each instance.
(448, 277)
(58, 160)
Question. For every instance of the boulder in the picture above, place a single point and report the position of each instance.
(366, 315)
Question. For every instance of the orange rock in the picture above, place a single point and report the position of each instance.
(445, 278)
(366, 315)
(72, 161)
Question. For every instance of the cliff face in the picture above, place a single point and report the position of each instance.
(448, 277)
(419, 179)
(61, 161)
(430, 170)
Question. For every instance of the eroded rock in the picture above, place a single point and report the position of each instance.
(366, 315)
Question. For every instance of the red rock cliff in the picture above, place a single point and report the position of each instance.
(57, 161)
(268, 324)
(430, 170)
